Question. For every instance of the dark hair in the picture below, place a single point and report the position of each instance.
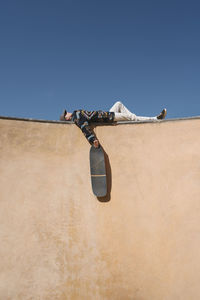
(62, 117)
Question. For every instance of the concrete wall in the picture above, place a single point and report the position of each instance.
(58, 241)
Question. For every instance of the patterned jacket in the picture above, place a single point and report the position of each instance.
(83, 118)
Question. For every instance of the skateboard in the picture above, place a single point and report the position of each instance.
(98, 171)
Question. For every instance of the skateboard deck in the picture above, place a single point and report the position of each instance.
(98, 171)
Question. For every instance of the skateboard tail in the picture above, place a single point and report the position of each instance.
(99, 185)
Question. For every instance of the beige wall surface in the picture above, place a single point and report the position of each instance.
(58, 241)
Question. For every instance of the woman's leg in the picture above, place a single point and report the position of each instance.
(122, 113)
(116, 107)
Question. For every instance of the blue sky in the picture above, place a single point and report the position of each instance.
(88, 54)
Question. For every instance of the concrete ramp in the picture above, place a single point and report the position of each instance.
(58, 241)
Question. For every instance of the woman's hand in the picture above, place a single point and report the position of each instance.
(96, 143)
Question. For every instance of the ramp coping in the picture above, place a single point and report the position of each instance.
(114, 123)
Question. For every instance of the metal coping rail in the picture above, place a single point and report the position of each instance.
(100, 124)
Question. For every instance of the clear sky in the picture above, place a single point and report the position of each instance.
(73, 54)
